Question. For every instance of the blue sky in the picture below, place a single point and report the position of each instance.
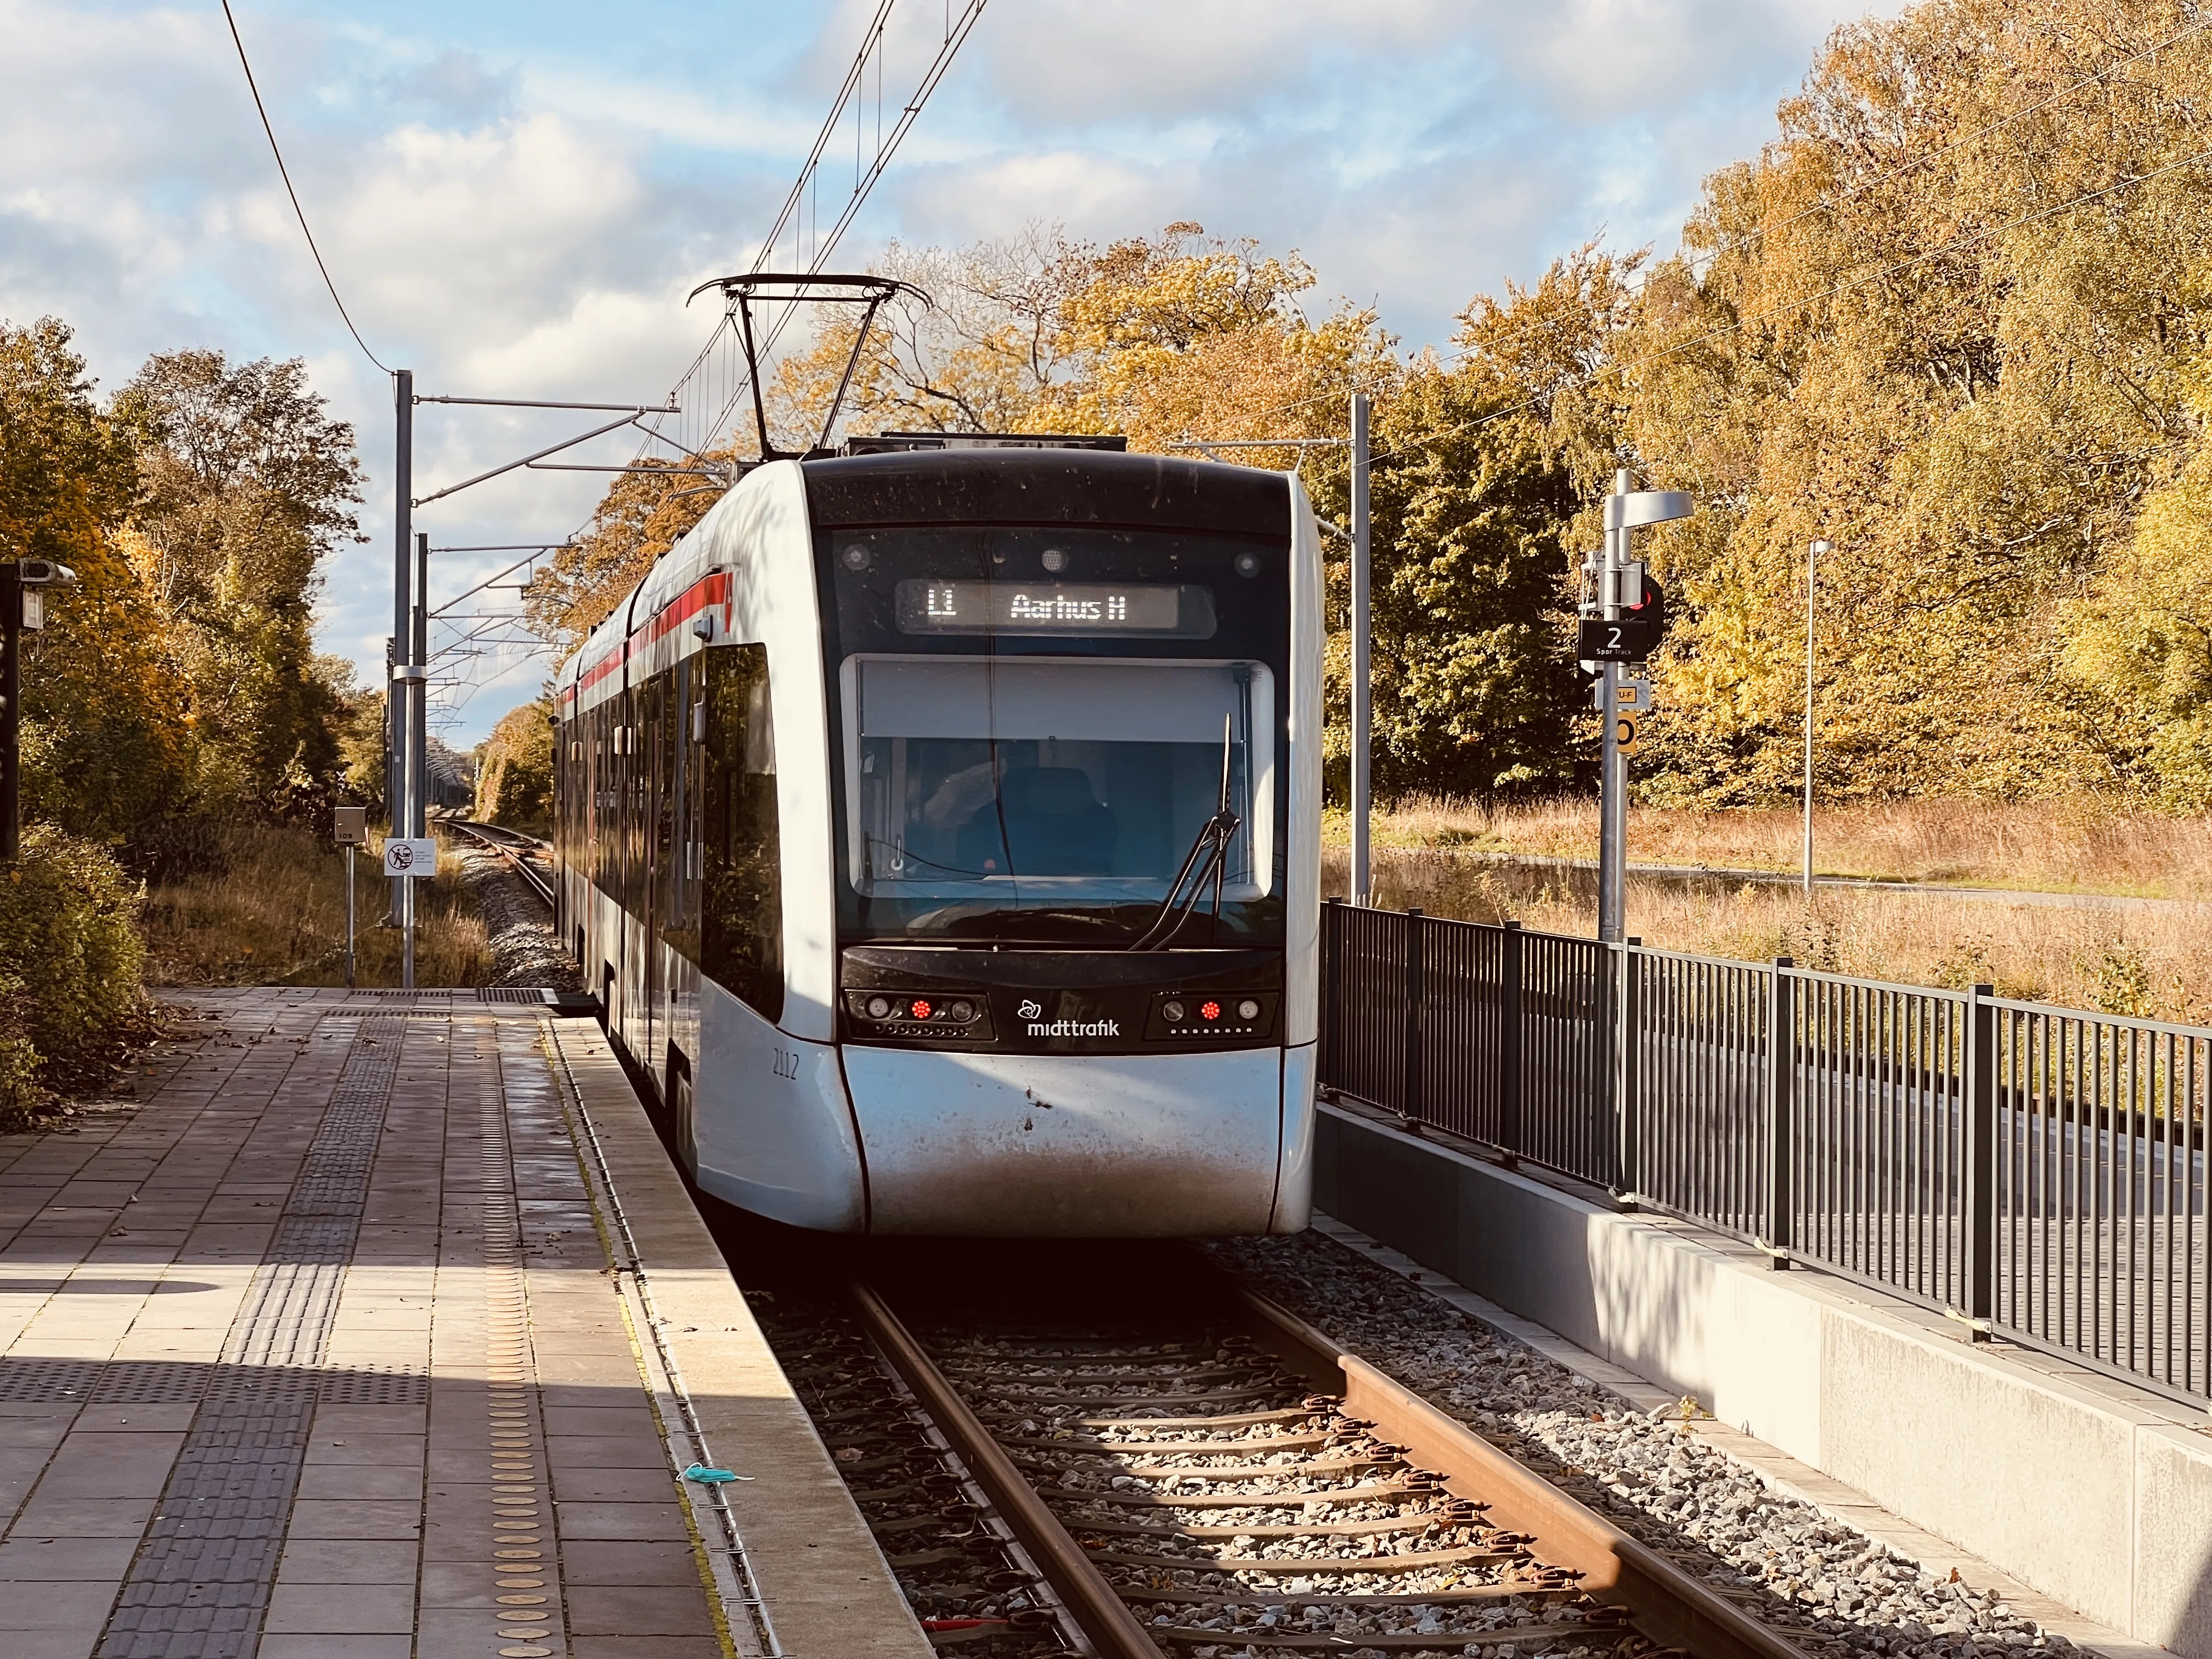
(514, 198)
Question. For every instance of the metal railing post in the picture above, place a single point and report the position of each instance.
(1781, 1089)
(1627, 983)
(1409, 1099)
(1509, 1043)
(1330, 993)
(1979, 1199)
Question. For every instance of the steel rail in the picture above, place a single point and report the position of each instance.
(1669, 1605)
(1105, 1617)
(1664, 1602)
(511, 847)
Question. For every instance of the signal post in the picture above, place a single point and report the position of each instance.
(1624, 614)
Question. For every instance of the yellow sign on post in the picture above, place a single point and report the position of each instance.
(1623, 730)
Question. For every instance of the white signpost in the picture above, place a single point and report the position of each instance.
(410, 858)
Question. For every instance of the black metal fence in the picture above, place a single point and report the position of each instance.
(2037, 1172)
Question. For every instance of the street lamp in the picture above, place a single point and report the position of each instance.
(1813, 552)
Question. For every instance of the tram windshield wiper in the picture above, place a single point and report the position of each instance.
(1208, 856)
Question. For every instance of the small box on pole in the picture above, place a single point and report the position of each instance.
(349, 825)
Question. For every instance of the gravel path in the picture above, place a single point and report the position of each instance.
(1782, 1560)
(524, 950)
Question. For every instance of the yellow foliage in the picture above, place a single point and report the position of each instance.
(515, 774)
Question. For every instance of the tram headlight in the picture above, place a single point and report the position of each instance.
(935, 1015)
(1224, 1017)
(1247, 564)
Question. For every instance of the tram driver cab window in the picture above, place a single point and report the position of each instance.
(979, 784)
(741, 918)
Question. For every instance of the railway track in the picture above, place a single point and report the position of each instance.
(1198, 1472)
(520, 851)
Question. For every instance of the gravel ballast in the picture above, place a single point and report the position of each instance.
(1780, 1560)
(524, 952)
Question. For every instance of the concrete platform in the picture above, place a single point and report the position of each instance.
(381, 1330)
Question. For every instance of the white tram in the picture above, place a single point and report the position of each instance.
(939, 825)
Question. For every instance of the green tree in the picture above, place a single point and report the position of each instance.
(1940, 322)
(105, 746)
(514, 768)
(247, 486)
(2141, 636)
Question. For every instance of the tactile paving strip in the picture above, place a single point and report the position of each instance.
(202, 1578)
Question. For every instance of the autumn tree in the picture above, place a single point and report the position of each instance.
(641, 517)
(247, 486)
(972, 345)
(1484, 466)
(106, 744)
(2141, 635)
(1943, 322)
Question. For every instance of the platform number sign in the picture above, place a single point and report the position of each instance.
(407, 856)
(1631, 637)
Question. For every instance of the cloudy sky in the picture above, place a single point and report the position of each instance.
(515, 198)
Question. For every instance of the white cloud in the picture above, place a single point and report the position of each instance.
(514, 202)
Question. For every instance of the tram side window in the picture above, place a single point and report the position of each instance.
(744, 909)
(604, 819)
(686, 720)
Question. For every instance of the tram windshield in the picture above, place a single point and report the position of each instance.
(1034, 762)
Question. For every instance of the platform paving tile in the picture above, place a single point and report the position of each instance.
(290, 1369)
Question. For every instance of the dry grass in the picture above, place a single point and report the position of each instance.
(2079, 844)
(272, 912)
(2149, 960)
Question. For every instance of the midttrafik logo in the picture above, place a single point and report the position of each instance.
(1031, 1008)
(1053, 1028)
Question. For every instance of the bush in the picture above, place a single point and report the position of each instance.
(70, 961)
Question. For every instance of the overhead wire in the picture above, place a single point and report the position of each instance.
(285, 173)
(852, 92)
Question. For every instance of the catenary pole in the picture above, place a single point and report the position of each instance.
(395, 691)
(1362, 710)
(418, 730)
(418, 698)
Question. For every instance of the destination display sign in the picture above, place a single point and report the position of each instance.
(928, 606)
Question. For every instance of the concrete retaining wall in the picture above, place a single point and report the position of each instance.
(2095, 1493)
